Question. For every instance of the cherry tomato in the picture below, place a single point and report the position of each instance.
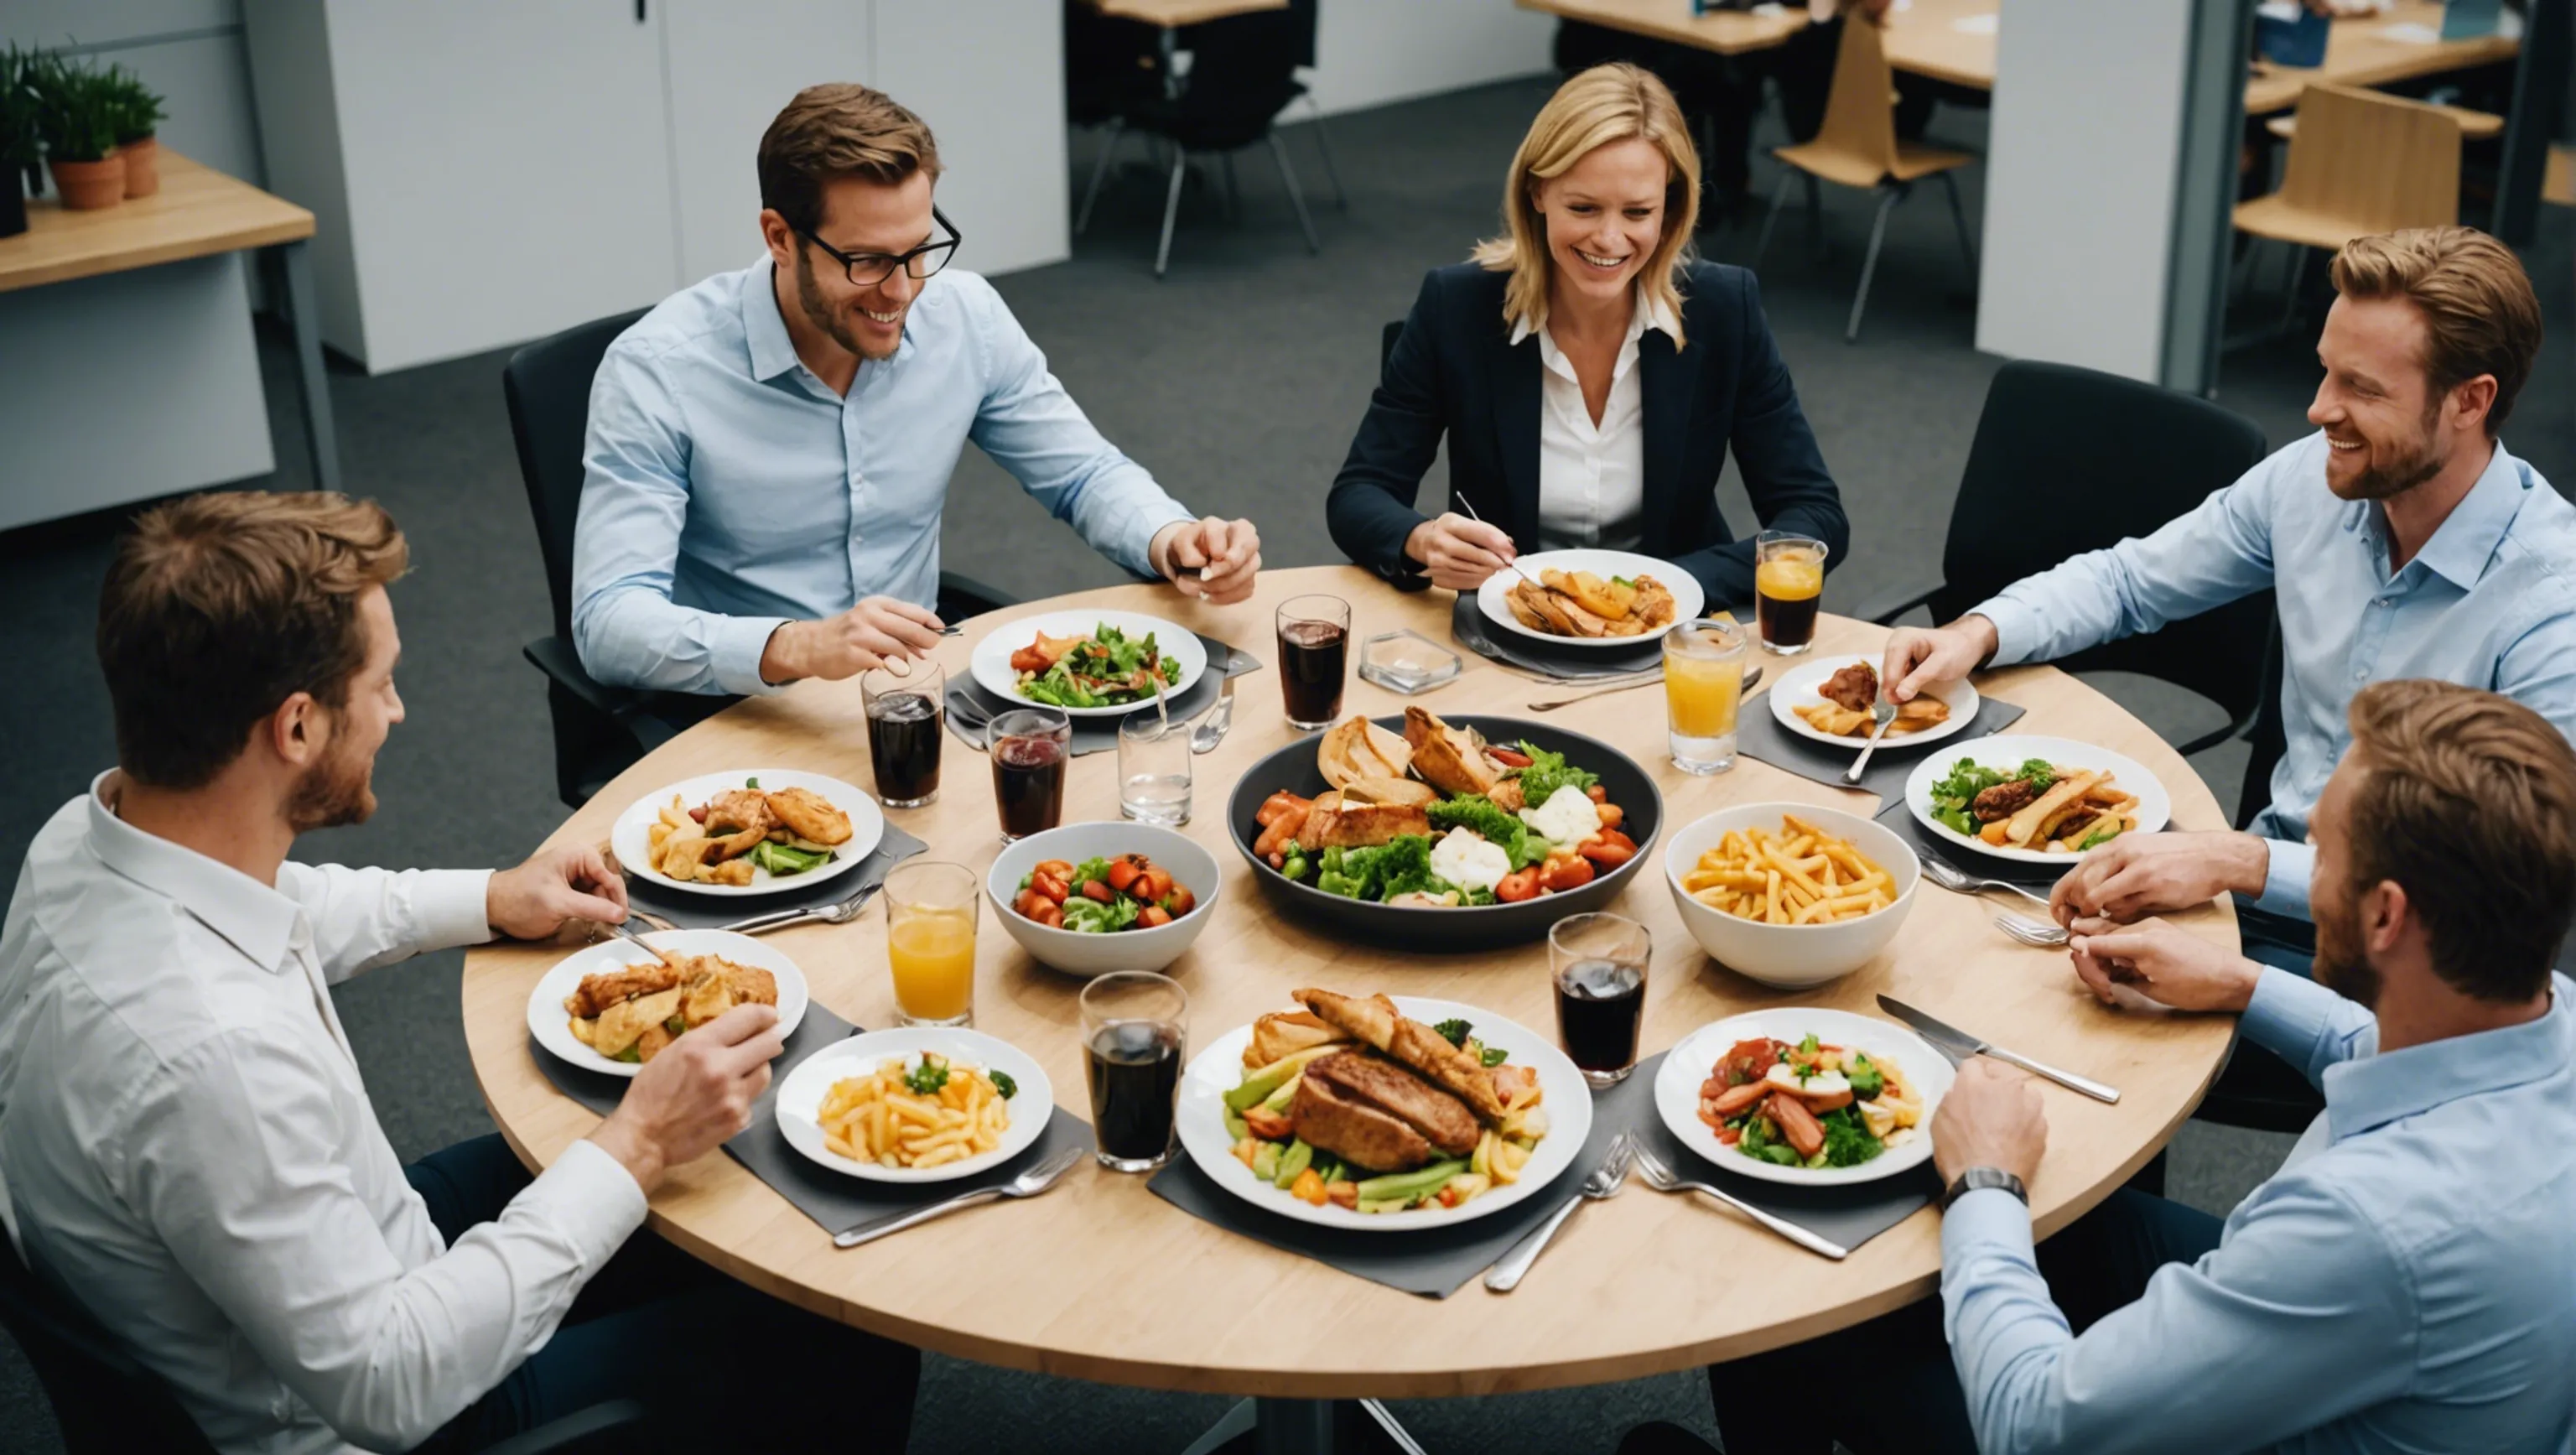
(1597, 793)
(1518, 885)
(1152, 916)
(1050, 915)
(1057, 867)
(1099, 889)
(1564, 874)
(1612, 815)
(1601, 851)
(1049, 885)
(1154, 884)
(1124, 870)
(1616, 837)
(1508, 757)
(1180, 901)
(699, 813)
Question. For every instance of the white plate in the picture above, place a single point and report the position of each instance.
(1219, 1069)
(2009, 750)
(552, 1025)
(801, 1095)
(1688, 599)
(991, 662)
(1686, 1070)
(632, 841)
(1797, 688)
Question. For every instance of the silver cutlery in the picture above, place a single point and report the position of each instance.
(1212, 728)
(1663, 1179)
(1881, 713)
(1751, 677)
(974, 720)
(829, 914)
(1603, 1184)
(638, 941)
(952, 631)
(1470, 507)
(2030, 931)
(1961, 1045)
(1028, 1184)
(1960, 881)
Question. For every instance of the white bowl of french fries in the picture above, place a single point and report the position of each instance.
(1790, 894)
(915, 1104)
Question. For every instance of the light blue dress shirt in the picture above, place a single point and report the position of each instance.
(2490, 601)
(730, 490)
(2406, 1281)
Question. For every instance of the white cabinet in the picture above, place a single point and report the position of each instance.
(733, 66)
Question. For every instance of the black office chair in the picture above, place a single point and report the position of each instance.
(1110, 64)
(599, 729)
(1242, 75)
(107, 1403)
(2068, 460)
(1306, 15)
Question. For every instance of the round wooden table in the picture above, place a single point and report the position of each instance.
(1103, 1280)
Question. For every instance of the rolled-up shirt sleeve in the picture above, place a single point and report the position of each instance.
(2285, 878)
(364, 918)
(231, 1161)
(2306, 1024)
(626, 548)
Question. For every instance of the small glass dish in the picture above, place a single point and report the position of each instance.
(1408, 662)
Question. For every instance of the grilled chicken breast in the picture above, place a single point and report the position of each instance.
(598, 992)
(1354, 1131)
(1441, 1118)
(1411, 1043)
(809, 815)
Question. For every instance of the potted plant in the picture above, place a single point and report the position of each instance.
(138, 120)
(20, 150)
(78, 122)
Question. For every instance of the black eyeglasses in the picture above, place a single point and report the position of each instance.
(866, 270)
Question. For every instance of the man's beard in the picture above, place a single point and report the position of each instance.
(821, 315)
(2417, 464)
(336, 791)
(2340, 964)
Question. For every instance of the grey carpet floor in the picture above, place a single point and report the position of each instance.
(1238, 381)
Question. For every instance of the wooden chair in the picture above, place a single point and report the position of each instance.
(1857, 146)
(2361, 162)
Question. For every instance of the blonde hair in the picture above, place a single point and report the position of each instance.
(2480, 316)
(1606, 104)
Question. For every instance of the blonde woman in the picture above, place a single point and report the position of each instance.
(1588, 375)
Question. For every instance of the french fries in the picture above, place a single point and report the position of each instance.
(1805, 876)
(878, 1118)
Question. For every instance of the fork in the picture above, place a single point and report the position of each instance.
(2031, 931)
(1212, 728)
(1752, 675)
(830, 914)
(1602, 1185)
(1960, 881)
(1028, 1184)
(1663, 1179)
(1882, 713)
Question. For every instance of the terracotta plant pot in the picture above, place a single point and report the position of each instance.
(142, 165)
(87, 185)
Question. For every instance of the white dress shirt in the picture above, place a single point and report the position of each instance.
(1592, 477)
(186, 1147)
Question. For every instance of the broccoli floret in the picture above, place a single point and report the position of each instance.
(2039, 773)
(1479, 815)
(1454, 1031)
(1549, 772)
(1496, 1056)
(1003, 1083)
(1867, 1081)
(1848, 1141)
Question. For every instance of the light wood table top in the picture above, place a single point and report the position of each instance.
(2362, 52)
(198, 211)
(1947, 40)
(1101, 1279)
(1726, 32)
(1169, 13)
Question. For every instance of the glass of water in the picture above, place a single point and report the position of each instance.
(1703, 684)
(1154, 769)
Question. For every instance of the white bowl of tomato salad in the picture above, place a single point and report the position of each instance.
(1092, 898)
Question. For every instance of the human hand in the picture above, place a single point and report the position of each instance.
(1921, 657)
(568, 882)
(2136, 875)
(2168, 965)
(865, 637)
(1990, 1118)
(1213, 559)
(694, 1095)
(1459, 553)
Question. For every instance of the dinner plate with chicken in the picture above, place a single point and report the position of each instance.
(2034, 800)
(612, 1007)
(1590, 600)
(1804, 1095)
(1090, 663)
(746, 831)
(1828, 699)
(1383, 1114)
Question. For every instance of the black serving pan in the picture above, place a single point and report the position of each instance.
(1467, 927)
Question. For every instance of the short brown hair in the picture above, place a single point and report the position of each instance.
(838, 130)
(220, 607)
(2468, 801)
(2479, 311)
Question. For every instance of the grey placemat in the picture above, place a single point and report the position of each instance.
(836, 1202)
(1477, 635)
(1759, 735)
(1984, 866)
(968, 702)
(1438, 1262)
(714, 912)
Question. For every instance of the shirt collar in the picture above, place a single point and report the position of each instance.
(2369, 1092)
(2467, 538)
(257, 919)
(772, 352)
(1650, 312)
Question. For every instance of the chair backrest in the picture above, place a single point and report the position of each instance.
(1110, 63)
(1243, 72)
(2068, 460)
(1859, 129)
(1301, 38)
(104, 1402)
(547, 385)
(2373, 161)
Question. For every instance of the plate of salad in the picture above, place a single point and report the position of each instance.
(2034, 800)
(1090, 663)
(1804, 1095)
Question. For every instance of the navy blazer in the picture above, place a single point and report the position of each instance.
(1455, 373)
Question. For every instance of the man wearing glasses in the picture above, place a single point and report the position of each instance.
(769, 451)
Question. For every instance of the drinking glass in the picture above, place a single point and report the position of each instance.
(1135, 1034)
(930, 942)
(1598, 962)
(1029, 746)
(906, 720)
(1703, 686)
(1788, 580)
(1314, 647)
(1154, 769)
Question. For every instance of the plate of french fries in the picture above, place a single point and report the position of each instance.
(915, 1104)
(1614, 600)
(2035, 800)
(800, 828)
(1828, 700)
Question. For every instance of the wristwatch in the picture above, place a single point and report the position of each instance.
(1977, 1178)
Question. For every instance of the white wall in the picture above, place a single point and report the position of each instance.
(989, 80)
(2081, 161)
(1372, 52)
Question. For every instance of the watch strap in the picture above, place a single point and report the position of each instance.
(1976, 1179)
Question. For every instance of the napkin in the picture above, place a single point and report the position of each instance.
(715, 912)
(1759, 735)
(968, 699)
(1569, 664)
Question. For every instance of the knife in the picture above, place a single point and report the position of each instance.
(1959, 1045)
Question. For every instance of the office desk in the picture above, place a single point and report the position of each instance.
(1726, 32)
(200, 214)
(2362, 52)
(1171, 13)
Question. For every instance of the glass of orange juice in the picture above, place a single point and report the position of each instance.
(1703, 683)
(1788, 580)
(930, 943)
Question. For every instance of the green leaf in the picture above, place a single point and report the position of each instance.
(1003, 1083)
(926, 1078)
